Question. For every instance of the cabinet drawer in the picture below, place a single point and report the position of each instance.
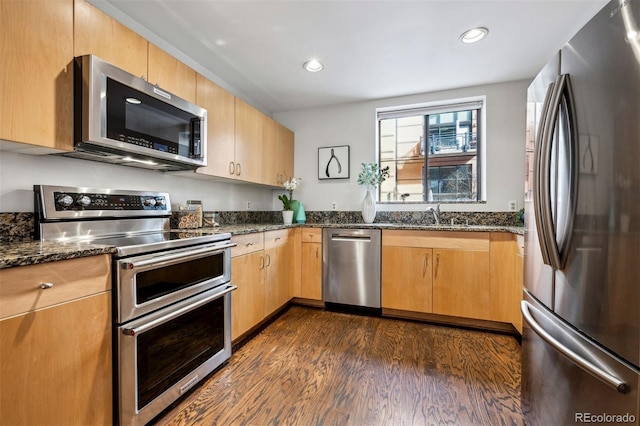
(247, 243)
(463, 240)
(21, 291)
(276, 238)
(311, 235)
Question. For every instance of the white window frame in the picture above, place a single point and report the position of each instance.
(430, 108)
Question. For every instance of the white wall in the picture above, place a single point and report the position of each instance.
(354, 125)
(19, 172)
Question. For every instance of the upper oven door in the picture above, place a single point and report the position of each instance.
(149, 282)
(122, 113)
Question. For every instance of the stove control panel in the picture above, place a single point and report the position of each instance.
(70, 201)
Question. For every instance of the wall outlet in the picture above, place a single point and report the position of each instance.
(334, 206)
(248, 205)
(513, 206)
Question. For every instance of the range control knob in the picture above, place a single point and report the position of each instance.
(149, 202)
(64, 200)
(83, 201)
(160, 201)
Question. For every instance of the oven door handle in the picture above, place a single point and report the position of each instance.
(182, 256)
(133, 331)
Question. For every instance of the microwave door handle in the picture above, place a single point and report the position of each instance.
(541, 173)
(196, 140)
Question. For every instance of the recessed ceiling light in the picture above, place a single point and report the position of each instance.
(313, 65)
(474, 35)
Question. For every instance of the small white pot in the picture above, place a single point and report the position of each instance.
(287, 217)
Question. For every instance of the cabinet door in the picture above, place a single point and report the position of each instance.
(96, 33)
(286, 149)
(461, 283)
(170, 74)
(56, 365)
(249, 152)
(36, 75)
(506, 279)
(220, 106)
(247, 301)
(278, 257)
(271, 153)
(311, 276)
(407, 278)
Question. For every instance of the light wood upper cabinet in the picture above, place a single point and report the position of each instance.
(55, 343)
(36, 75)
(286, 152)
(170, 74)
(271, 152)
(248, 148)
(96, 33)
(221, 138)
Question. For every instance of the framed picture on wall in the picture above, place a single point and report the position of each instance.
(333, 162)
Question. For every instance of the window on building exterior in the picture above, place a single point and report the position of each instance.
(431, 152)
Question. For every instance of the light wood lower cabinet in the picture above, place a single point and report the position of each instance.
(279, 257)
(261, 267)
(407, 282)
(311, 264)
(461, 283)
(55, 343)
(247, 301)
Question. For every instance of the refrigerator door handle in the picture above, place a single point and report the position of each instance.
(556, 237)
(577, 355)
(540, 169)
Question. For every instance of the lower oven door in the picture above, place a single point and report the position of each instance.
(165, 353)
(149, 282)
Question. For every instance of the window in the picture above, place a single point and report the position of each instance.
(431, 152)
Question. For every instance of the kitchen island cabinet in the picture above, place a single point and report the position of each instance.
(55, 343)
(36, 75)
(96, 33)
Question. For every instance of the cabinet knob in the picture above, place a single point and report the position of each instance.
(45, 286)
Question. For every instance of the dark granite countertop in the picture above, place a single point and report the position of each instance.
(24, 253)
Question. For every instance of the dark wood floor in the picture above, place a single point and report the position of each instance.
(312, 367)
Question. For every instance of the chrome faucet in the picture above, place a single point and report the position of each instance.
(436, 213)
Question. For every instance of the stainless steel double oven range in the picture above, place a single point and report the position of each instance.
(171, 291)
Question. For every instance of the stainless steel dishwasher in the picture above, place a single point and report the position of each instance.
(351, 269)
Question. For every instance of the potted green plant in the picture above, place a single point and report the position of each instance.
(371, 176)
(289, 205)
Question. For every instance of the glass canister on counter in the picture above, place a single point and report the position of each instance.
(190, 217)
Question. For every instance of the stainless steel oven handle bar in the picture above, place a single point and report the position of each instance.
(182, 255)
(588, 366)
(133, 331)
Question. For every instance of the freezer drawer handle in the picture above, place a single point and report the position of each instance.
(587, 366)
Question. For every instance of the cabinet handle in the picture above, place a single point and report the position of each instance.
(238, 169)
(45, 286)
(426, 265)
(261, 262)
(316, 252)
(249, 244)
(268, 260)
(437, 265)
(232, 167)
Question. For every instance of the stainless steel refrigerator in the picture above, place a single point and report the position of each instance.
(581, 307)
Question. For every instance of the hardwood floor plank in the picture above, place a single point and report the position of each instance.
(312, 367)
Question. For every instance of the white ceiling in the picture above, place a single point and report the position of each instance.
(370, 48)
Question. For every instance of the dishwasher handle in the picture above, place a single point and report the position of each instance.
(351, 237)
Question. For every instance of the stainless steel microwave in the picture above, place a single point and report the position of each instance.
(123, 119)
